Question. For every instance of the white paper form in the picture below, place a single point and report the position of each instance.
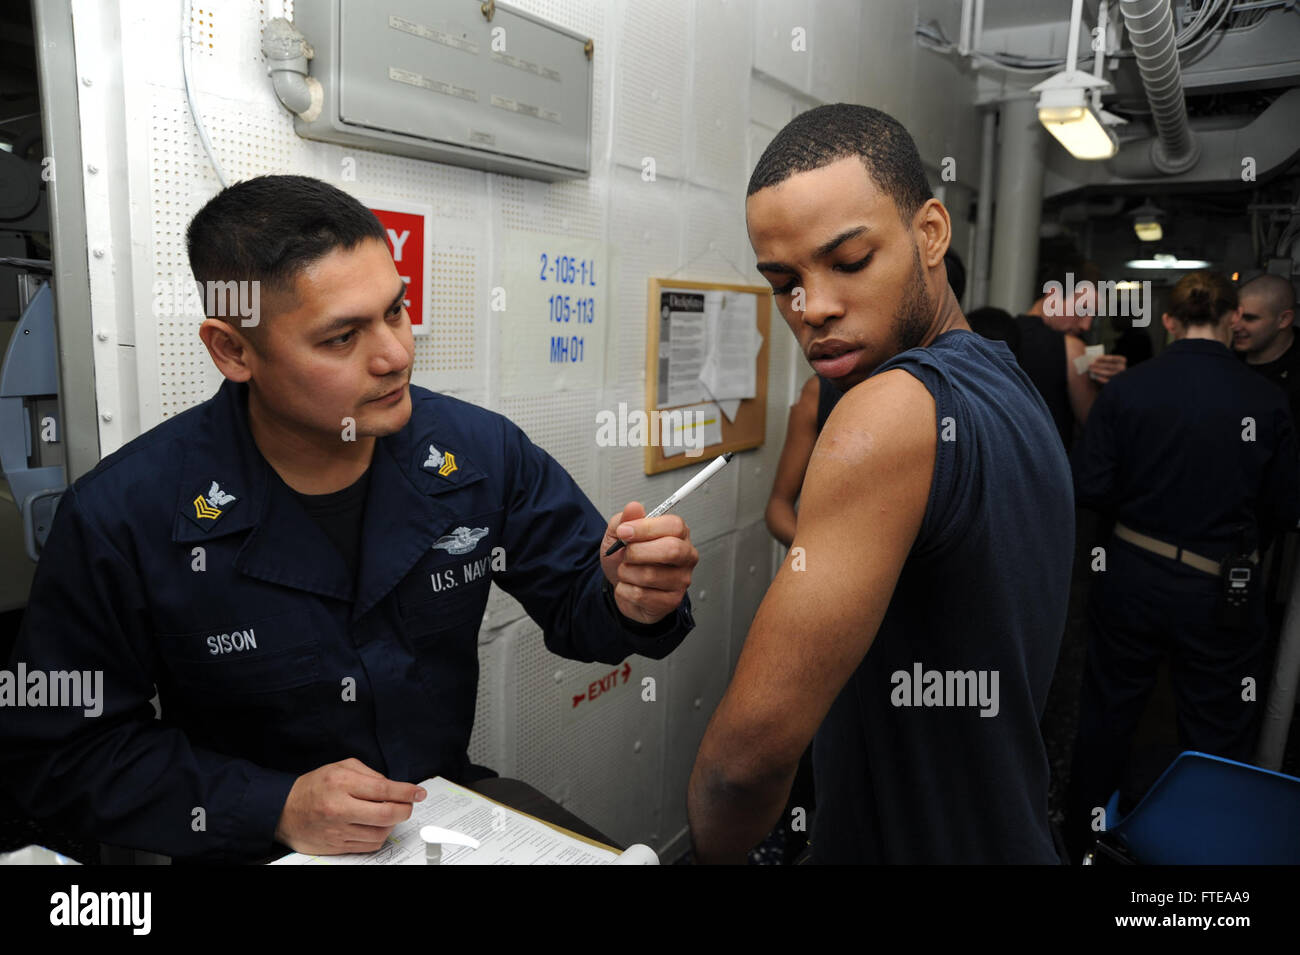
(729, 370)
(507, 837)
(683, 343)
(1090, 354)
(730, 407)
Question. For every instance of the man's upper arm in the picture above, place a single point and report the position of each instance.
(1080, 388)
(864, 500)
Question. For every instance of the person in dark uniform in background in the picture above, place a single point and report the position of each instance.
(299, 566)
(1051, 338)
(1133, 343)
(1263, 334)
(1195, 458)
(996, 325)
(911, 558)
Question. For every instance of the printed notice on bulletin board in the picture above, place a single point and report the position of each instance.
(708, 344)
(553, 316)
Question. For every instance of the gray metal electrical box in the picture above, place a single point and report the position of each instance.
(439, 80)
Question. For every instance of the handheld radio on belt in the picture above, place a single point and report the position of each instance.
(1238, 581)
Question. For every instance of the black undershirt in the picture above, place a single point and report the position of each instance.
(1042, 357)
(339, 515)
(1284, 371)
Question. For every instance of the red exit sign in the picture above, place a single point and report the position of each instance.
(601, 686)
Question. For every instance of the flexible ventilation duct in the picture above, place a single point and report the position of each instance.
(1150, 25)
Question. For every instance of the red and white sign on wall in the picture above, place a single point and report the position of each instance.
(410, 238)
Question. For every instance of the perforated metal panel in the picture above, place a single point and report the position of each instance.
(454, 191)
(770, 106)
(775, 21)
(564, 425)
(754, 547)
(572, 209)
(651, 85)
(721, 82)
(758, 467)
(180, 183)
(644, 215)
(714, 236)
(453, 357)
(836, 46)
(599, 758)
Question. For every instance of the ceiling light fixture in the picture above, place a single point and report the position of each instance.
(1069, 103)
(1147, 222)
(1166, 261)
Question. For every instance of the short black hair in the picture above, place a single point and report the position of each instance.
(826, 134)
(268, 229)
(1277, 291)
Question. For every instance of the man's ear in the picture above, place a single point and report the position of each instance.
(936, 231)
(228, 348)
(1285, 318)
(1167, 321)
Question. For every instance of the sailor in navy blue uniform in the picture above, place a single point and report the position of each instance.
(308, 677)
(1194, 457)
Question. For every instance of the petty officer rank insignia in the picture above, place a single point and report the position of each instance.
(208, 507)
(442, 462)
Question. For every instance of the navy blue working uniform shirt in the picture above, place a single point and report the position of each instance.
(1188, 447)
(905, 774)
(183, 563)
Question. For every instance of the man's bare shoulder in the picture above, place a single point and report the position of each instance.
(887, 415)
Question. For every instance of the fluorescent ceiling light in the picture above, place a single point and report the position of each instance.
(1167, 262)
(1064, 109)
(1080, 131)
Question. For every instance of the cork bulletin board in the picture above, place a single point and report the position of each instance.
(679, 318)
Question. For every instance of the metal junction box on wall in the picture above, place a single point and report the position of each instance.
(439, 80)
